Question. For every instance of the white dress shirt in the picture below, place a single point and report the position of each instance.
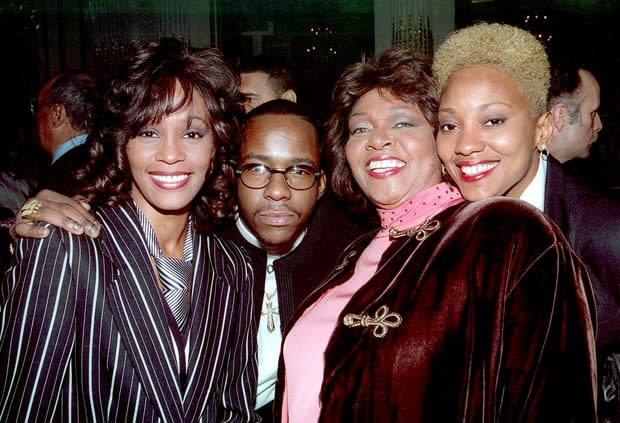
(269, 335)
(535, 191)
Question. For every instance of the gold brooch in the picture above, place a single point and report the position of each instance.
(382, 320)
(421, 232)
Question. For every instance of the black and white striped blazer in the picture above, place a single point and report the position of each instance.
(84, 333)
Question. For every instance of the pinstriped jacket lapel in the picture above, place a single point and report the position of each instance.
(209, 325)
(135, 302)
(200, 366)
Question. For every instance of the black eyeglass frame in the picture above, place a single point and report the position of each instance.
(271, 170)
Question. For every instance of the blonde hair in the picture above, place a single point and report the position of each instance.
(506, 48)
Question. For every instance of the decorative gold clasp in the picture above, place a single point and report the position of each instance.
(421, 232)
(382, 320)
(345, 261)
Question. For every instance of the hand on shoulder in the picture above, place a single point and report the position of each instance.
(71, 214)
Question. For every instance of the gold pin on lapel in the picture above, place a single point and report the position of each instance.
(382, 320)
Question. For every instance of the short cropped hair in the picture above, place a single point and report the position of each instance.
(142, 93)
(79, 93)
(279, 77)
(276, 107)
(509, 49)
(401, 73)
(565, 88)
(279, 107)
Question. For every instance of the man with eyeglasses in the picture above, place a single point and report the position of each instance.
(65, 112)
(293, 233)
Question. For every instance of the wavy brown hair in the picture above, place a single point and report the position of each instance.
(401, 73)
(143, 93)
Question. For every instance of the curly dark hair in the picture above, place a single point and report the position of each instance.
(142, 93)
(401, 73)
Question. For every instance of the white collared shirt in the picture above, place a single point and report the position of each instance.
(269, 342)
(535, 191)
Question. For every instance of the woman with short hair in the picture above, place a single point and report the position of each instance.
(492, 138)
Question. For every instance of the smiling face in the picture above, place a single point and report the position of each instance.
(170, 160)
(487, 135)
(391, 149)
(277, 214)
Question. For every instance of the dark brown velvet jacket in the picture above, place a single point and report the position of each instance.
(498, 325)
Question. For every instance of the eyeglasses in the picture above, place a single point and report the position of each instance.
(298, 177)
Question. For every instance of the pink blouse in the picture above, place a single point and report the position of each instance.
(305, 344)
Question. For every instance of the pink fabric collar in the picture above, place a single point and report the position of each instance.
(305, 344)
(420, 207)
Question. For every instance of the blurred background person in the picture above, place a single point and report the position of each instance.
(264, 79)
(425, 319)
(573, 101)
(493, 136)
(65, 112)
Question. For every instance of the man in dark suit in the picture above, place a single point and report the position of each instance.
(591, 223)
(65, 111)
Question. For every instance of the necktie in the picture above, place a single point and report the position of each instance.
(174, 273)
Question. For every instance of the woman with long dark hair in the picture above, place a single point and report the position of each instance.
(151, 321)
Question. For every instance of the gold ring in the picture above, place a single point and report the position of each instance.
(31, 210)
